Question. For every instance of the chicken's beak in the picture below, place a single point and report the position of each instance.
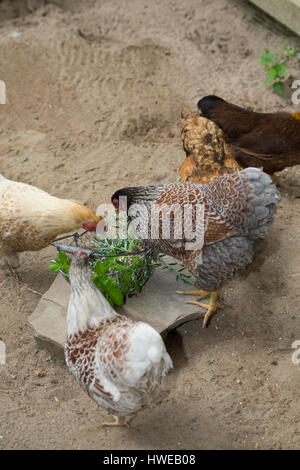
(115, 203)
(92, 226)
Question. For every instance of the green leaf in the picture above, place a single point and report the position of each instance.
(97, 280)
(271, 76)
(100, 268)
(280, 70)
(66, 270)
(278, 87)
(116, 295)
(109, 300)
(62, 257)
(54, 266)
(267, 58)
(107, 284)
(291, 51)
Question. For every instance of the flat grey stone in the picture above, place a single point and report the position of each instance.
(157, 304)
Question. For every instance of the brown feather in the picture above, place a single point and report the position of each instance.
(266, 140)
(207, 155)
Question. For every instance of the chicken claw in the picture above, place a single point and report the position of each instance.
(119, 421)
(19, 281)
(211, 307)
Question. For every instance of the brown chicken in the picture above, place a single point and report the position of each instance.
(212, 228)
(207, 155)
(264, 140)
(30, 218)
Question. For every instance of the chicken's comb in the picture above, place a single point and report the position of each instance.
(80, 252)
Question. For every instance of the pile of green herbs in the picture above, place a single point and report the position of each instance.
(120, 273)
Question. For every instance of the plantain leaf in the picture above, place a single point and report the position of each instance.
(278, 87)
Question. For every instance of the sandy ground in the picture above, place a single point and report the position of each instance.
(94, 94)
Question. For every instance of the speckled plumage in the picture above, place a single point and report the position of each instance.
(238, 211)
(119, 362)
(207, 155)
(30, 218)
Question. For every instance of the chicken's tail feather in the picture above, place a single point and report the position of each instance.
(262, 198)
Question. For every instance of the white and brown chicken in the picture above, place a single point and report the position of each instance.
(119, 362)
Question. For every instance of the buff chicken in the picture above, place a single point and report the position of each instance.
(214, 229)
(207, 155)
(30, 218)
(270, 141)
(120, 363)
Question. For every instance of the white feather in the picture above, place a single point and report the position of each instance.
(147, 349)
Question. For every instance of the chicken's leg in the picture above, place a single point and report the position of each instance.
(211, 307)
(202, 294)
(119, 421)
(19, 281)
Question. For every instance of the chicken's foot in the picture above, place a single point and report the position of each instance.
(19, 281)
(119, 421)
(15, 276)
(211, 307)
(202, 294)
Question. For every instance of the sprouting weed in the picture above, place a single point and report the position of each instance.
(277, 64)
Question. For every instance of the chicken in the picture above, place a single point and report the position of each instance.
(119, 362)
(207, 155)
(222, 223)
(270, 141)
(30, 218)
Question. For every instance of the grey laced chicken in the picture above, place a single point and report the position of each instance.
(214, 228)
